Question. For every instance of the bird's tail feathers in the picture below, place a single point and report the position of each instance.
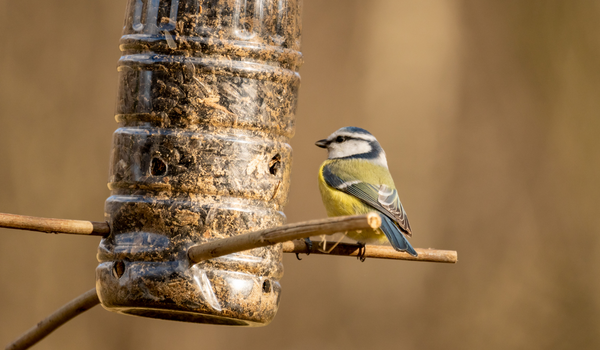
(395, 236)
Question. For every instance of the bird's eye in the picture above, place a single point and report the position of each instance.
(340, 139)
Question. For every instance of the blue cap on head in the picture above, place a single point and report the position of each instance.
(354, 129)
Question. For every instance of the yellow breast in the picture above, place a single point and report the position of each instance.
(338, 203)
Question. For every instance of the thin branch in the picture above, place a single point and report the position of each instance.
(282, 234)
(61, 316)
(75, 227)
(373, 251)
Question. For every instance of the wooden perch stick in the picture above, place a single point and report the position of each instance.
(61, 316)
(251, 240)
(75, 227)
(281, 234)
(372, 251)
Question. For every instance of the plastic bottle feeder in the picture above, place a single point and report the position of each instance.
(206, 103)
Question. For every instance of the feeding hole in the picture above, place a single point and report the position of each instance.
(158, 167)
(118, 269)
(275, 164)
(267, 286)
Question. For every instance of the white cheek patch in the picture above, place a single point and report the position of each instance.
(381, 160)
(348, 148)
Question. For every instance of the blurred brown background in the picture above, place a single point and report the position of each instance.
(488, 111)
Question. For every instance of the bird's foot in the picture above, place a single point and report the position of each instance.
(309, 245)
(362, 250)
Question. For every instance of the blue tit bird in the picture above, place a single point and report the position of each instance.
(355, 180)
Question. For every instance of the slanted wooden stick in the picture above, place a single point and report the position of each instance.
(289, 235)
(75, 227)
(281, 234)
(61, 316)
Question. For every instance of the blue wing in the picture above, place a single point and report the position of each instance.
(381, 198)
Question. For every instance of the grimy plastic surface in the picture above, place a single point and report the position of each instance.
(206, 102)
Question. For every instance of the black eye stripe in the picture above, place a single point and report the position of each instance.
(344, 138)
(340, 139)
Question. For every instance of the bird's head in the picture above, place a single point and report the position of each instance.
(351, 142)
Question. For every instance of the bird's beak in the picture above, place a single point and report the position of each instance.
(321, 143)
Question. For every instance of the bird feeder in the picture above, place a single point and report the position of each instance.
(205, 106)
(200, 170)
